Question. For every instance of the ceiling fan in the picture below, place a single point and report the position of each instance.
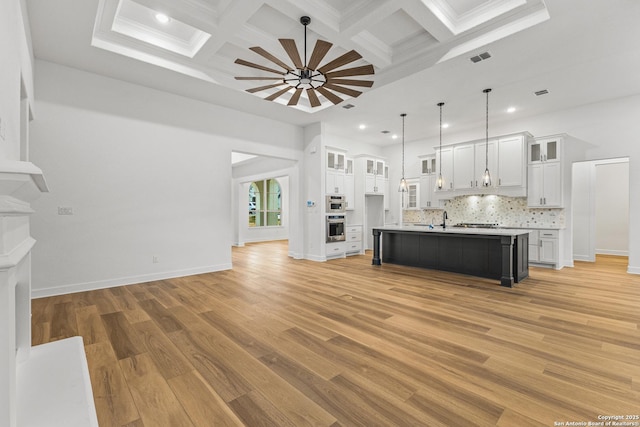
(310, 76)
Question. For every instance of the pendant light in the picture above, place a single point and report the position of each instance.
(440, 182)
(403, 188)
(486, 177)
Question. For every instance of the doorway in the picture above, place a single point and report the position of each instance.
(600, 208)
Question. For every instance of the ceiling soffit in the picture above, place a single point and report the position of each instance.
(399, 38)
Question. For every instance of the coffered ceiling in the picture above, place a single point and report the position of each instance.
(422, 52)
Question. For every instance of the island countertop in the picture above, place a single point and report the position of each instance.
(496, 231)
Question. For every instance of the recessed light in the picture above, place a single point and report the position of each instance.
(394, 136)
(511, 110)
(445, 125)
(362, 126)
(162, 18)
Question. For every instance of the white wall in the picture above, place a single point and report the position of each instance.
(583, 211)
(146, 173)
(607, 130)
(612, 208)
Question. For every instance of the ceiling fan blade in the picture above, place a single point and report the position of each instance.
(329, 95)
(258, 66)
(278, 93)
(319, 52)
(345, 90)
(260, 88)
(348, 82)
(340, 61)
(313, 98)
(258, 78)
(295, 97)
(260, 51)
(355, 71)
(290, 47)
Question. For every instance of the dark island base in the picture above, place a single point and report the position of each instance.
(504, 258)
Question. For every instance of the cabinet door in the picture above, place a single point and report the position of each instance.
(411, 197)
(534, 246)
(371, 167)
(548, 250)
(426, 191)
(552, 185)
(510, 162)
(369, 183)
(330, 183)
(348, 169)
(444, 160)
(349, 191)
(481, 162)
(379, 168)
(551, 151)
(535, 190)
(535, 152)
(339, 161)
(463, 167)
(331, 160)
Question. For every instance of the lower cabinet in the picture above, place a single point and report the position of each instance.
(354, 240)
(543, 247)
(335, 249)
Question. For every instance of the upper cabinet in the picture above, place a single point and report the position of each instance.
(335, 172)
(428, 182)
(464, 164)
(545, 150)
(428, 164)
(349, 184)
(545, 173)
(374, 176)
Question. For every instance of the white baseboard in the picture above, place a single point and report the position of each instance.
(585, 258)
(315, 258)
(611, 252)
(123, 281)
(633, 270)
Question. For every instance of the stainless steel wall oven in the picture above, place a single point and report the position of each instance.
(336, 228)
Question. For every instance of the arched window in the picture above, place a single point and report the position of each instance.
(265, 203)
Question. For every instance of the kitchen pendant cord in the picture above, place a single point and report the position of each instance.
(440, 104)
(486, 146)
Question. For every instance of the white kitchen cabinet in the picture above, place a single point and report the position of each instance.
(464, 167)
(545, 185)
(428, 181)
(545, 150)
(349, 184)
(545, 173)
(511, 162)
(374, 176)
(444, 166)
(411, 199)
(543, 247)
(354, 240)
(480, 163)
(335, 172)
(386, 187)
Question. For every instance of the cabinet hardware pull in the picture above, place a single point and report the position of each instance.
(545, 200)
(499, 181)
(540, 200)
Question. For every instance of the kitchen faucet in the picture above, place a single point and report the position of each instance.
(444, 220)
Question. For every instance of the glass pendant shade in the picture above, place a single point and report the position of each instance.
(403, 187)
(440, 182)
(486, 178)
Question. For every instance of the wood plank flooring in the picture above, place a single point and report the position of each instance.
(283, 342)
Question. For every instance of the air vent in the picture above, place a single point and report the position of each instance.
(480, 57)
(348, 106)
(541, 92)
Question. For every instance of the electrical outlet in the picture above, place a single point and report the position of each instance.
(63, 210)
(155, 259)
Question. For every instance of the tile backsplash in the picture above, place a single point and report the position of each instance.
(490, 209)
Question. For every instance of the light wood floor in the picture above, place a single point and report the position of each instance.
(282, 342)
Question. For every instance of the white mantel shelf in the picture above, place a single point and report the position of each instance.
(47, 385)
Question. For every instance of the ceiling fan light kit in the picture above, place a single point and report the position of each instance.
(309, 76)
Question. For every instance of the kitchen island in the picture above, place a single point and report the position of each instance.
(496, 253)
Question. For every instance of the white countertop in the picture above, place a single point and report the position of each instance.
(456, 230)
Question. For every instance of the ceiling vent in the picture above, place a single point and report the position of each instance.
(480, 57)
(348, 106)
(541, 92)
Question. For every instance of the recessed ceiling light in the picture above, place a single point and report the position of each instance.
(445, 125)
(511, 110)
(362, 126)
(162, 18)
(394, 136)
